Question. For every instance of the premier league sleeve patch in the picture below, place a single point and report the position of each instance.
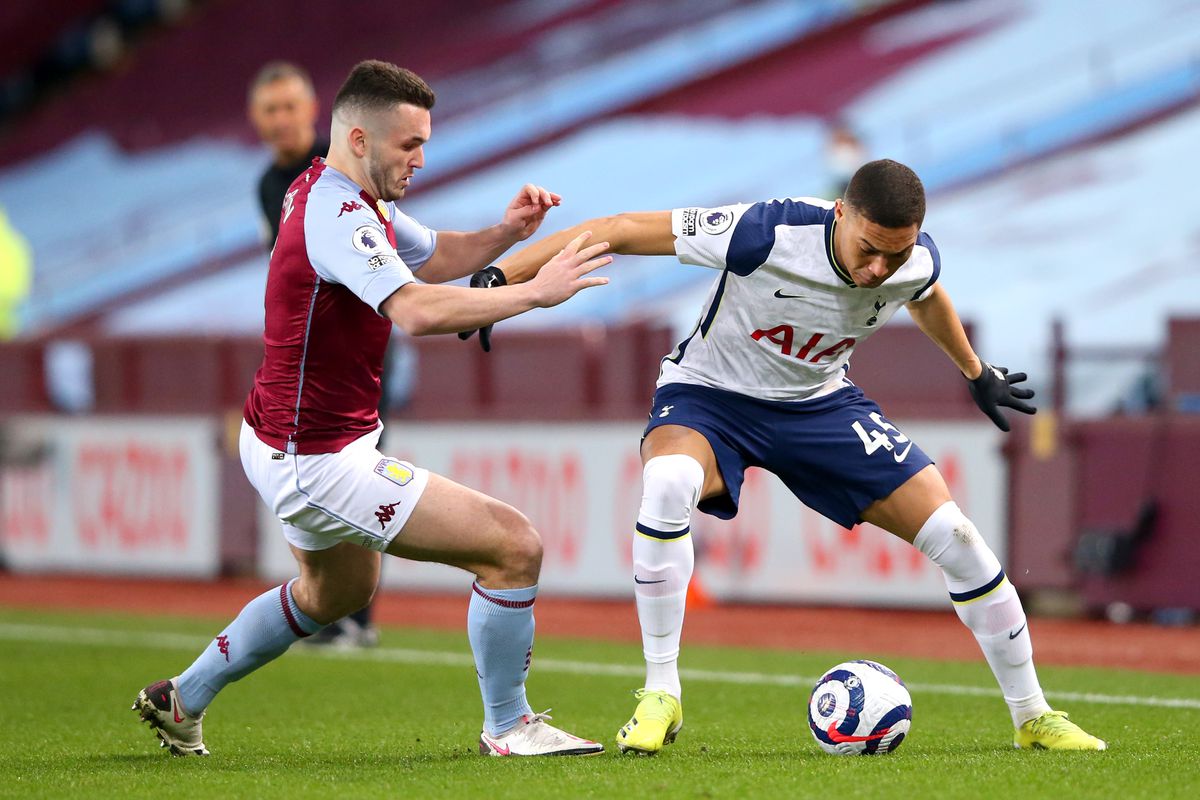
(369, 239)
(716, 221)
(398, 472)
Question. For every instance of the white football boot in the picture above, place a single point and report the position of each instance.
(533, 736)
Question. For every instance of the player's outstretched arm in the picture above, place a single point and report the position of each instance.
(991, 387)
(639, 233)
(459, 254)
(424, 309)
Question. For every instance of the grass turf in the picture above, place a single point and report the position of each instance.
(403, 720)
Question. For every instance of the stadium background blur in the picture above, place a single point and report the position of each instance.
(1057, 148)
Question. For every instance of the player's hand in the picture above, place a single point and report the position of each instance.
(527, 210)
(566, 274)
(994, 388)
(486, 278)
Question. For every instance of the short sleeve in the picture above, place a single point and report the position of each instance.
(702, 235)
(924, 240)
(353, 250)
(415, 243)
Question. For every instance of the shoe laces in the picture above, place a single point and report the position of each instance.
(1053, 723)
(540, 717)
(661, 711)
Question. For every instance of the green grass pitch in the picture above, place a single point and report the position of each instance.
(402, 720)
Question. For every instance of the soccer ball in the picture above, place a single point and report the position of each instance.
(859, 708)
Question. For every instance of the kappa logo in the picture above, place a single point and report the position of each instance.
(352, 206)
(385, 514)
(396, 471)
(368, 238)
(223, 646)
(716, 222)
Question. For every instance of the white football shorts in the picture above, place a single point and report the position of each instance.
(356, 495)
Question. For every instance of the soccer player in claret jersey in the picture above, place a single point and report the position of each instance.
(762, 381)
(340, 275)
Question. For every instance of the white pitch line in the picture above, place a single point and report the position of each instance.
(176, 641)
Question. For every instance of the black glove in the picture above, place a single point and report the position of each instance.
(486, 278)
(994, 388)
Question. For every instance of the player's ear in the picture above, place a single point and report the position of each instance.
(357, 139)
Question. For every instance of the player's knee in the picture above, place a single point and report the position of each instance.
(953, 542)
(671, 486)
(520, 557)
(334, 598)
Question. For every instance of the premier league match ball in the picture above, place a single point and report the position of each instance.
(859, 708)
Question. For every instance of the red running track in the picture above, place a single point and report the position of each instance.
(919, 634)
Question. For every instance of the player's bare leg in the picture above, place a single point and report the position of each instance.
(678, 469)
(922, 512)
(455, 525)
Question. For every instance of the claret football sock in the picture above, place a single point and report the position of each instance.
(987, 603)
(267, 626)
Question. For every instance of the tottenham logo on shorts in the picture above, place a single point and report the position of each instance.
(369, 239)
(687, 221)
(714, 222)
(395, 471)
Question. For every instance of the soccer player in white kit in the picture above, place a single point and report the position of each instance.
(761, 381)
(341, 274)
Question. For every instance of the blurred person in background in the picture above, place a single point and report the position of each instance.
(762, 382)
(16, 277)
(283, 108)
(341, 275)
(844, 154)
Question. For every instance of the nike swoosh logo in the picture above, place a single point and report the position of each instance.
(636, 579)
(178, 718)
(901, 456)
(1017, 632)
(838, 737)
(501, 751)
(779, 293)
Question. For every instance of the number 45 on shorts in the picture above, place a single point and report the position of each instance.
(884, 436)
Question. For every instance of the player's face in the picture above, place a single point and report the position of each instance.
(395, 149)
(871, 253)
(284, 113)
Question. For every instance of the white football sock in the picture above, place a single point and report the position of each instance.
(663, 560)
(988, 604)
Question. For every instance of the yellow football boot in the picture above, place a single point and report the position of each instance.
(654, 723)
(1053, 731)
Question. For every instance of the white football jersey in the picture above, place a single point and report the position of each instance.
(782, 320)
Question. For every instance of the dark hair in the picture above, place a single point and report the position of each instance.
(378, 85)
(276, 71)
(887, 193)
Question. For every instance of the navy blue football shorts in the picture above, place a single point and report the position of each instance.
(837, 454)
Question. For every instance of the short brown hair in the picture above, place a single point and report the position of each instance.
(276, 71)
(887, 193)
(378, 85)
